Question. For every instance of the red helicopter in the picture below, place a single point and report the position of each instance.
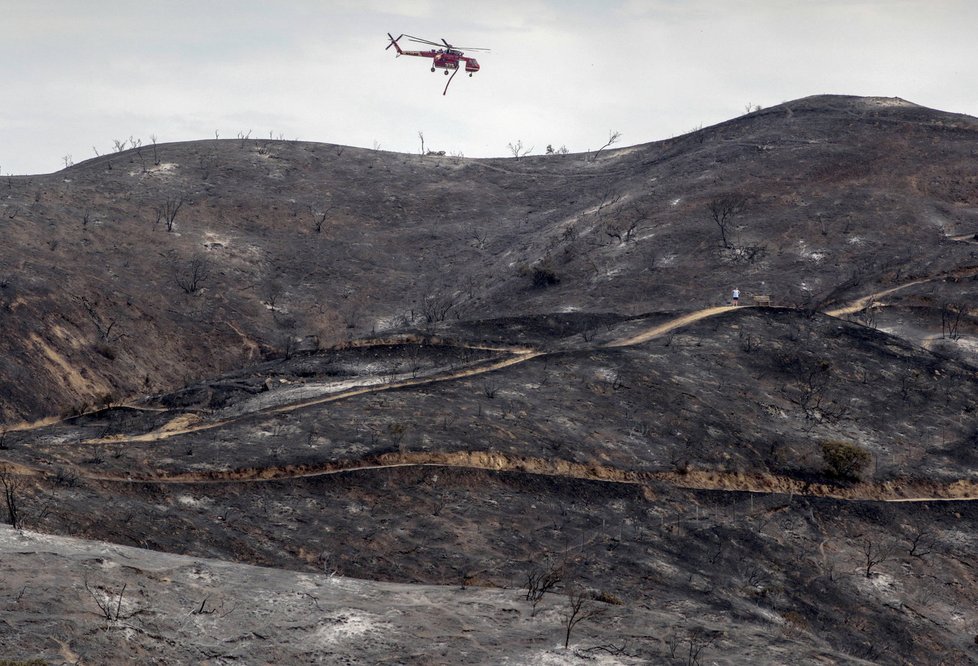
(447, 58)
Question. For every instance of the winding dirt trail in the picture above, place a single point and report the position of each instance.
(669, 326)
(861, 303)
(188, 424)
(906, 491)
(898, 491)
(516, 355)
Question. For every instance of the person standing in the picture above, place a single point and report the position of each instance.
(736, 296)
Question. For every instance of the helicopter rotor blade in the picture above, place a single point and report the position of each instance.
(422, 41)
(443, 44)
(462, 48)
(393, 41)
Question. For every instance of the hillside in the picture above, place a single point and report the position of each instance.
(842, 196)
(437, 371)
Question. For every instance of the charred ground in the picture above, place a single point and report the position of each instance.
(449, 371)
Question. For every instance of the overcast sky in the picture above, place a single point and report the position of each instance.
(78, 75)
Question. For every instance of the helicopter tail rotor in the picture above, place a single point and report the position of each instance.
(394, 43)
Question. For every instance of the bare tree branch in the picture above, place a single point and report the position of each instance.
(11, 487)
(580, 606)
(722, 209)
(613, 137)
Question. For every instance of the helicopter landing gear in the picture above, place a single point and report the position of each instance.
(470, 75)
(446, 72)
(432, 69)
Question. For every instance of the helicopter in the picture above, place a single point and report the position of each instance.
(446, 57)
